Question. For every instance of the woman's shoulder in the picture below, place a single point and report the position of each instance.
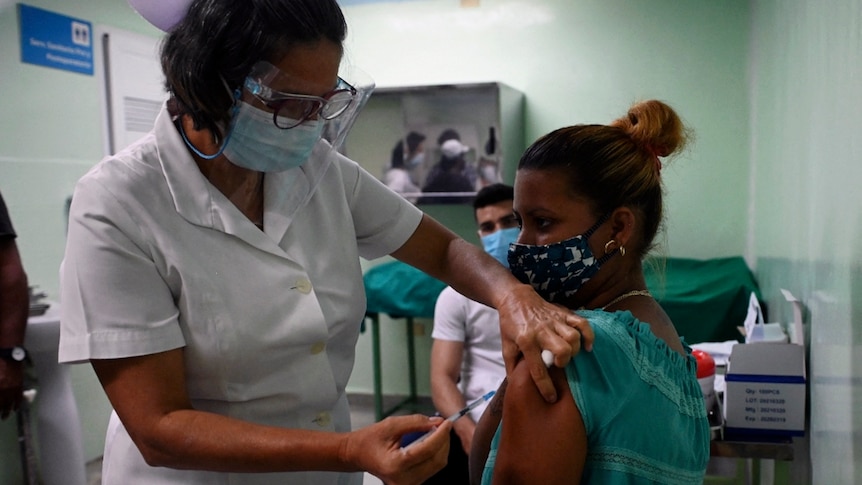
(621, 333)
(625, 348)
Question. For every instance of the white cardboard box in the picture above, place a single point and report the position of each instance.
(765, 385)
(765, 390)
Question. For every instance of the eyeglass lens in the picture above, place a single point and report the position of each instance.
(293, 111)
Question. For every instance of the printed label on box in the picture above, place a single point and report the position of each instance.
(766, 405)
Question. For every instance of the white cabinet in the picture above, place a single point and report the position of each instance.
(488, 117)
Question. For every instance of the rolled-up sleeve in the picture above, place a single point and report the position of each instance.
(383, 219)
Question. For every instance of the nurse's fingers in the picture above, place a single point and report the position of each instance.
(421, 459)
(562, 340)
(575, 340)
(377, 449)
(539, 373)
(586, 335)
(511, 354)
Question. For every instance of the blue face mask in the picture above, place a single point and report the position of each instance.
(556, 271)
(255, 143)
(416, 160)
(497, 244)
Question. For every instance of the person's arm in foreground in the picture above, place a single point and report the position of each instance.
(446, 358)
(14, 310)
(528, 324)
(148, 394)
(539, 442)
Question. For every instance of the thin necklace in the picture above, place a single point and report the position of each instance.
(626, 295)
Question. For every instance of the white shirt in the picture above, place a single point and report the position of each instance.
(157, 258)
(398, 179)
(460, 319)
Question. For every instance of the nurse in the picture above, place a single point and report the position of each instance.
(212, 271)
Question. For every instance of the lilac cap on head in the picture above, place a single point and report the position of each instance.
(164, 14)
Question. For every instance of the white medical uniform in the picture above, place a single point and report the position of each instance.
(460, 319)
(157, 259)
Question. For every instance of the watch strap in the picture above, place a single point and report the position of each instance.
(14, 354)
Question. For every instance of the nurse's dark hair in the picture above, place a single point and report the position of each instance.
(219, 41)
(616, 165)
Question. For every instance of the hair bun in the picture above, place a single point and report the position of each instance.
(657, 150)
(655, 127)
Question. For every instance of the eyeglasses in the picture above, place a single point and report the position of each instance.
(291, 110)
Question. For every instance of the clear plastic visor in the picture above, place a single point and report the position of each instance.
(337, 105)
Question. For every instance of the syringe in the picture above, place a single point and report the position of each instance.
(453, 418)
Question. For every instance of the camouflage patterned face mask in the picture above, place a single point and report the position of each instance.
(556, 271)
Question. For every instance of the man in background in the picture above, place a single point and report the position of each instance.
(466, 355)
(14, 310)
(448, 176)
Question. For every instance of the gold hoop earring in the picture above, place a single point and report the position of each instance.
(608, 244)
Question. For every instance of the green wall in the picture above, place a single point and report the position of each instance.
(575, 60)
(586, 61)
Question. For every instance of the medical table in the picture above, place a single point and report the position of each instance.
(402, 292)
(59, 433)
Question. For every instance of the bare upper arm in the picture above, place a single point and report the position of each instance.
(446, 358)
(540, 442)
(427, 248)
(11, 269)
(143, 390)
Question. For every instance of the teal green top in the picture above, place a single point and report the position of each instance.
(641, 405)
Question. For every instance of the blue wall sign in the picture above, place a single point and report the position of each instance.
(54, 40)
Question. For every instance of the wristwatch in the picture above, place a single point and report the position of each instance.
(15, 354)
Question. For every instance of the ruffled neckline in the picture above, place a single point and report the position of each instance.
(675, 376)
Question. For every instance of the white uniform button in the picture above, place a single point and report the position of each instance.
(303, 286)
(323, 419)
(318, 348)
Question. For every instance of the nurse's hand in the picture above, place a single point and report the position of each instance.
(529, 324)
(377, 449)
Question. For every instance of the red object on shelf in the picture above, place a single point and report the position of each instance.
(705, 363)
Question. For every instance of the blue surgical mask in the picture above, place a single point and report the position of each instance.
(255, 143)
(556, 271)
(489, 173)
(497, 244)
(416, 160)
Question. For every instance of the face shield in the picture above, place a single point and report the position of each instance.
(276, 125)
(336, 109)
(335, 130)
